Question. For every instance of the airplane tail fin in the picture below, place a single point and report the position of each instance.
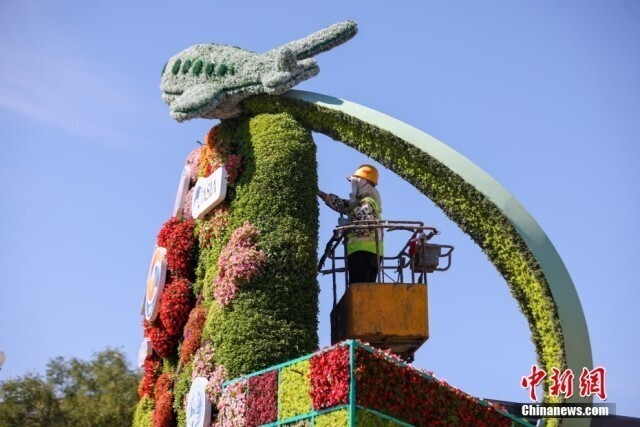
(322, 40)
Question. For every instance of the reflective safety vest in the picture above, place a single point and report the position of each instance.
(367, 241)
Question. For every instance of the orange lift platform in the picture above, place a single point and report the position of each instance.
(388, 314)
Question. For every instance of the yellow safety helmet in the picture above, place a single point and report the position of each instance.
(367, 172)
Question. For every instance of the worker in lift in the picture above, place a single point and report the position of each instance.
(364, 204)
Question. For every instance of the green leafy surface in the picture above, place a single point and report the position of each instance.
(339, 418)
(460, 201)
(274, 317)
(143, 416)
(294, 389)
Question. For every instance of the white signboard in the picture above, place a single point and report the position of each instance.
(145, 351)
(209, 192)
(155, 283)
(198, 405)
(183, 189)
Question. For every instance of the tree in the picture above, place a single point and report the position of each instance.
(29, 401)
(100, 392)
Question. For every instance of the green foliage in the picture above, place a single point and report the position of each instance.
(180, 391)
(170, 364)
(301, 423)
(339, 418)
(213, 324)
(293, 390)
(29, 401)
(143, 416)
(274, 317)
(369, 419)
(101, 392)
(164, 68)
(208, 267)
(461, 202)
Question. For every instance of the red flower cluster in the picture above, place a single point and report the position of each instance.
(178, 238)
(192, 333)
(152, 368)
(262, 405)
(175, 305)
(163, 412)
(400, 391)
(163, 343)
(330, 378)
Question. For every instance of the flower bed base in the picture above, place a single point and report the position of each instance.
(352, 384)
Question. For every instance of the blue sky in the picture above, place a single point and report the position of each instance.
(543, 95)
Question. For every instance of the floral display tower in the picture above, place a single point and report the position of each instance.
(232, 286)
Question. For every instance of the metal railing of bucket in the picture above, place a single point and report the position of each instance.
(417, 255)
(352, 408)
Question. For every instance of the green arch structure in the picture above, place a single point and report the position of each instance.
(480, 206)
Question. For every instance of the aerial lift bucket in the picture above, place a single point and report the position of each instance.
(393, 315)
(385, 315)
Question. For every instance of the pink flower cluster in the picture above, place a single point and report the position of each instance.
(204, 366)
(193, 163)
(240, 261)
(232, 406)
(214, 388)
(188, 204)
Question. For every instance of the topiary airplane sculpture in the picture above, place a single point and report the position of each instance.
(210, 80)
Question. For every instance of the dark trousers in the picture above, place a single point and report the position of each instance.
(363, 267)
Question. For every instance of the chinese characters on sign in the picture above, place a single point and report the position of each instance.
(591, 382)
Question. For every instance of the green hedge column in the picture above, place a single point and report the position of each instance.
(274, 317)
